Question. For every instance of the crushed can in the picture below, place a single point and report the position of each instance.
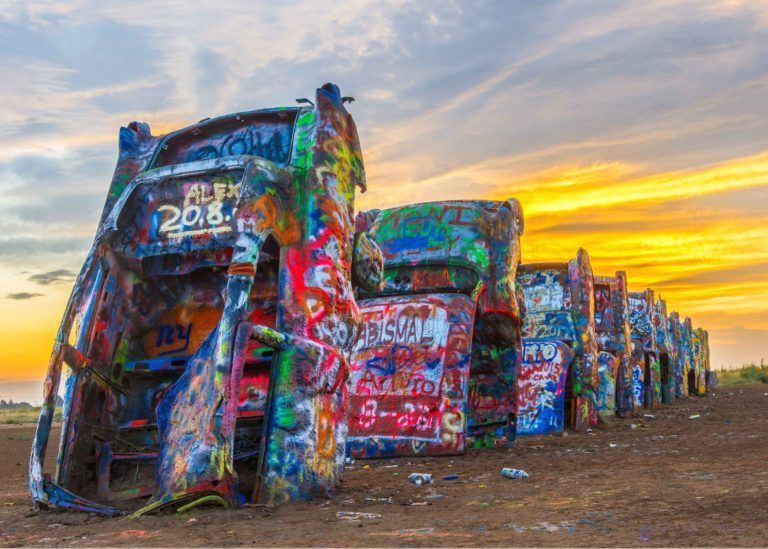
(420, 478)
(513, 473)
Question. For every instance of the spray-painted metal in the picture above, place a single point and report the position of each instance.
(646, 377)
(681, 359)
(685, 347)
(710, 374)
(558, 380)
(434, 367)
(700, 351)
(207, 335)
(614, 340)
(667, 351)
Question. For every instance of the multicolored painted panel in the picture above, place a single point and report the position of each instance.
(607, 369)
(541, 387)
(667, 352)
(646, 370)
(410, 376)
(700, 360)
(680, 358)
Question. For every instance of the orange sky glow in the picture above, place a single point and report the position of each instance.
(638, 131)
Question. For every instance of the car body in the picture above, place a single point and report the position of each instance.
(686, 348)
(667, 351)
(682, 355)
(710, 374)
(613, 339)
(208, 333)
(646, 377)
(700, 351)
(434, 367)
(558, 380)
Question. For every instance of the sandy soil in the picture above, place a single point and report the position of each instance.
(671, 481)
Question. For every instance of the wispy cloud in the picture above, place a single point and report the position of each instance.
(21, 296)
(18, 246)
(638, 130)
(52, 277)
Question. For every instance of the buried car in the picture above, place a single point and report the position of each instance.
(710, 374)
(700, 352)
(667, 352)
(558, 379)
(434, 367)
(688, 336)
(682, 359)
(645, 367)
(208, 331)
(614, 341)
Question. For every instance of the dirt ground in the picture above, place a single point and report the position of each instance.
(670, 481)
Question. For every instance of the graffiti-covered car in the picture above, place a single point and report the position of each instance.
(434, 366)
(645, 363)
(710, 374)
(558, 379)
(681, 357)
(700, 360)
(208, 331)
(667, 351)
(615, 346)
(686, 347)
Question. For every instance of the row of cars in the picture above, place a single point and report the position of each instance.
(237, 330)
(464, 345)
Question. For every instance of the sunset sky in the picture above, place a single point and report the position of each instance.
(637, 130)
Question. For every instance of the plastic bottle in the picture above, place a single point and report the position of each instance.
(513, 473)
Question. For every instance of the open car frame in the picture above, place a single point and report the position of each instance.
(207, 335)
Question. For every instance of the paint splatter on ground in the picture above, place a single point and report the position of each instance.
(670, 482)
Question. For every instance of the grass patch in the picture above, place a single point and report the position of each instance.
(24, 415)
(748, 374)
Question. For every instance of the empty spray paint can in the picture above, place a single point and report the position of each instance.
(420, 478)
(513, 473)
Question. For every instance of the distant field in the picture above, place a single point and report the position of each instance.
(23, 415)
(746, 375)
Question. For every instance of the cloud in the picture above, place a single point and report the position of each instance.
(636, 129)
(23, 246)
(20, 296)
(51, 277)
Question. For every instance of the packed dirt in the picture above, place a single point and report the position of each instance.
(670, 481)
